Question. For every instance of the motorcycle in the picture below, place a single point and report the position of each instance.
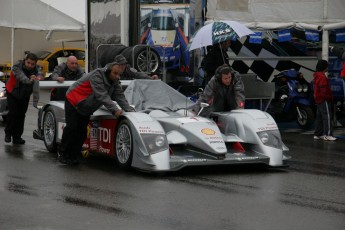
(293, 99)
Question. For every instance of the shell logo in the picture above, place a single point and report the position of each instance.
(208, 131)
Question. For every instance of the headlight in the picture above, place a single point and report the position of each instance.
(305, 88)
(264, 137)
(3, 94)
(271, 138)
(299, 88)
(160, 140)
(155, 142)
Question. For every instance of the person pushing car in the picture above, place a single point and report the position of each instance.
(23, 77)
(224, 92)
(99, 87)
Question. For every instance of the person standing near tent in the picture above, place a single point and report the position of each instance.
(323, 99)
(216, 56)
(19, 89)
(224, 92)
(340, 53)
(69, 71)
(99, 87)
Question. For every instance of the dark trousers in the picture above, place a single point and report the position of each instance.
(324, 119)
(16, 116)
(74, 133)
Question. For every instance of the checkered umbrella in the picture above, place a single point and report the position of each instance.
(217, 32)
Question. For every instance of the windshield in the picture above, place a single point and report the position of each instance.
(42, 54)
(163, 23)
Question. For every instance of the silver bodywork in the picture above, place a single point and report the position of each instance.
(168, 140)
(3, 100)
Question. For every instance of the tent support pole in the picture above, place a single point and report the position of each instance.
(325, 44)
(12, 45)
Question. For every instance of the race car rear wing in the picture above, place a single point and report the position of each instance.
(38, 85)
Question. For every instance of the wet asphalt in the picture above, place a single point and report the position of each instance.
(36, 192)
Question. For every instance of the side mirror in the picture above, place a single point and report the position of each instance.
(203, 105)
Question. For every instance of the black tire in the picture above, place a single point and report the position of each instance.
(50, 130)
(124, 145)
(146, 59)
(109, 54)
(308, 117)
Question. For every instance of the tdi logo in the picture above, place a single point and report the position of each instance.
(104, 134)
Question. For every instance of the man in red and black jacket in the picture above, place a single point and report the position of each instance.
(99, 87)
(19, 89)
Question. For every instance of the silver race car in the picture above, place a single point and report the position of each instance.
(163, 135)
(3, 100)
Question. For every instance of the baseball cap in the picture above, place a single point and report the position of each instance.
(120, 60)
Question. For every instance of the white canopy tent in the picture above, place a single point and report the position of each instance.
(34, 15)
(264, 15)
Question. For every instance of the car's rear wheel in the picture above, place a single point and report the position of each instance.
(124, 145)
(49, 131)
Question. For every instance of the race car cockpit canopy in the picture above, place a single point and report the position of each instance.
(147, 95)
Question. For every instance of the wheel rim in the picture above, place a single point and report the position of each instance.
(49, 128)
(303, 120)
(147, 61)
(123, 144)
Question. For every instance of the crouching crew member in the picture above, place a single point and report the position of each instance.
(224, 92)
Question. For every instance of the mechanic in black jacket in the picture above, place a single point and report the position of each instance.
(69, 71)
(216, 56)
(19, 89)
(224, 92)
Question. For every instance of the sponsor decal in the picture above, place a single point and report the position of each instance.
(93, 138)
(247, 158)
(269, 126)
(192, 119)
(208, 131)
(196, 160)
(221, 32)
(147, 129)
(103, 150)
(104, 135)
(239, 154)
(214, 142)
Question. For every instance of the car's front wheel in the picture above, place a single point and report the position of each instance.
(124, 145)
(49, 130)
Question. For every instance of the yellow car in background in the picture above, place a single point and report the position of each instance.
(47, 60)
(5, 70)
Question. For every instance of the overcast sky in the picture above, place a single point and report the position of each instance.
(73, 8)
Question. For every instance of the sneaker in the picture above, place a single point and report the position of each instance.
(329, 138)
(8, 138)
(64, 160)
(18, 141)
(318, 137)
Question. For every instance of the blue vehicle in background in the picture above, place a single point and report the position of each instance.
(164, 33)
(293, 99)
